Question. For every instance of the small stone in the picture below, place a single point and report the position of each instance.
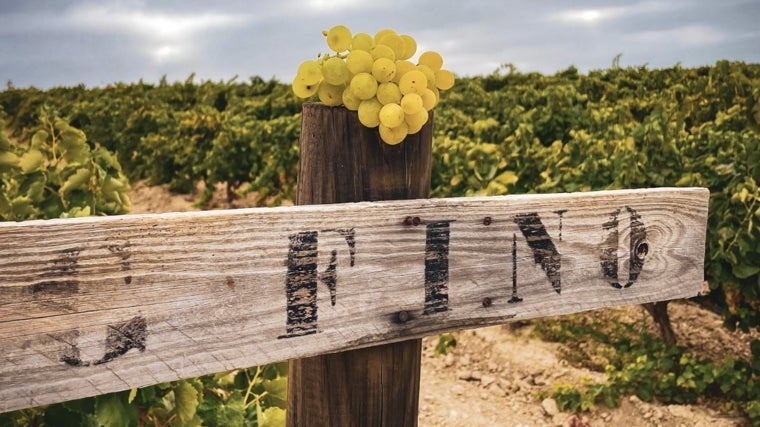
(657, 414)
(448, 360)
(487, 380)
(496, 389)
(550, 406)
(493, 367)
(681, 411)
(524, 385)
(634, 399)
(537, 412)
(457, 389)
(469, 376)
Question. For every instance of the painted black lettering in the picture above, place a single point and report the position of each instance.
(120, 338)
(437, 267)
(65, 264)
(330, 276)
(70, 354)
(560, 212)
(59, 281)
(123, 252)
(544, 251)
(350, 235)
(638, 249)
(303, 276)
(55, 288)
(301, 285)
(514, 298)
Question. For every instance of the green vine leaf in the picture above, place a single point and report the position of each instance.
(8, 160)
(75, 181)
(112, 410)
(31, 161)
(272, 417)
(185, 402)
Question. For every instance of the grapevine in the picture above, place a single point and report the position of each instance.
(375, 77)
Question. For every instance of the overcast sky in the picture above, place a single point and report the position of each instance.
(46, 43)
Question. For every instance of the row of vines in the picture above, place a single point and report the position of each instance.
(503, 133)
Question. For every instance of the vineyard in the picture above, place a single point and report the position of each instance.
(72, 151)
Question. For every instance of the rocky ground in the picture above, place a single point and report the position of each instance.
(494, 375)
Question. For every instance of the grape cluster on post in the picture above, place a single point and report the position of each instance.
(375, 77)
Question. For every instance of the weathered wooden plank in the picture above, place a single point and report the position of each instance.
(95, 305)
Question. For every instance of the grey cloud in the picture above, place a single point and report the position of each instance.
(46, 42)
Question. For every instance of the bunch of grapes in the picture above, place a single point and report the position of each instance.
(375, 77)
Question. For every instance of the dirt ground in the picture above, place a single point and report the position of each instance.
(492, 376)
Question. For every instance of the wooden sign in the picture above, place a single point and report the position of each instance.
(96, 305)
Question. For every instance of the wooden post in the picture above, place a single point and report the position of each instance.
(343, 161)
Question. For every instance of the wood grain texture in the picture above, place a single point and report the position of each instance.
(95, 305)
(342, 161)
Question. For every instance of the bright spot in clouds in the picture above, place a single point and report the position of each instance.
(165, 36)
(586, 16)
(165, 53)
(154, 25)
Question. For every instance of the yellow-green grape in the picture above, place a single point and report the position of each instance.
(388, 92)
(369, 112)
(374, 76)
(411, 103)
(395, 42)
(383, 70)
(382, 51)
(391, 115)
(364, 86)
(394, 135)
(416, 121)
(432, 59)
(309, 72)
(410, 46)
(362, 41)
(412, 81)
(427, 71)
(382, 33)
(444, 79)
(429, 99)
(335, 71)
(302, 89)
(402, 66)
(330, 95)
(359, 61)
(339, 38)
(350, 100)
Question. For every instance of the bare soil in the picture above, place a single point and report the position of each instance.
(494, 374)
